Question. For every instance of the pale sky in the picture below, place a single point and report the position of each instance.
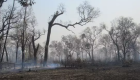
(109, 10)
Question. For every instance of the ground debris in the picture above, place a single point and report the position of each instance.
(102, 73)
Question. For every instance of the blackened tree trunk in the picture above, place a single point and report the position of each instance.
(23, 37)
(0, 48)
(47, 44)
(135, 51)
(9, 23)
(82, 55)
(4, 48)
(6, 54)
(35, 50)
(92, 53)
(17, 45)
(50, 24)
(22, 55)
(88, 10)
(118, 52)
(30, 56)
(124, 53)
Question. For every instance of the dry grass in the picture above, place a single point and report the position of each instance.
(110, 73)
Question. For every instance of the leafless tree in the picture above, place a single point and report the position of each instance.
(35, 37)
(86, 12)
(114, 35)
(25, 4)
(10, 20)
(16, 37)
(91, 37)
(123, 33)
(107, 46)
(128, 34)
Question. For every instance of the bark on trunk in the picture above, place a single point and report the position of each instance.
(47, 44)
(9, 21)
(92, 53)
(6, 54)
(23, 33)
(35, 50)
(30, 56)
(118, 52)
(17, 51)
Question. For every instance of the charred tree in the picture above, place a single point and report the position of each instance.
(86, 13)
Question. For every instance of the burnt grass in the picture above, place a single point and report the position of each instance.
(100, 73)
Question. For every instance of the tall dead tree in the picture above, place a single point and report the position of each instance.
(114, 35)
(16, 37)
(9, 22)
(35, 35)
(25, 4)
(128, 34)
(35, 48)
(91, 38)
(86, 12)
(124, 32)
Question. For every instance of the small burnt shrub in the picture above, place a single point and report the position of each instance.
(73, 63)
(127, 63)
(80, 63)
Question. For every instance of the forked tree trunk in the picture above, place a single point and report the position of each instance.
(35, 50)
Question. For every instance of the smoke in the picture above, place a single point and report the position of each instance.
(11, 67)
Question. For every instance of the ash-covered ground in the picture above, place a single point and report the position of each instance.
(94, 73)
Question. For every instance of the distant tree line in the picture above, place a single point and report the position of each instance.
(119, 44)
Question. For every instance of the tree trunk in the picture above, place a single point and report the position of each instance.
(23, 35)
(118, 52)
(77, 55)
(0, 49)
(35, 50)
(4, 48)
(82, 55)
(0, 53)
(6, 54)
(92, 53)
(60, 59)
(124, 55)
(90, 56)
(135, 52)
(47, 44)
(22, 56)
(9, 21)
(35, 55)
(30, 56)
(17, 50)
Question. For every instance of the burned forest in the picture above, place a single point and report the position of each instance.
(69, 40)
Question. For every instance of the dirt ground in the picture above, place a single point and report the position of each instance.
(102, 73)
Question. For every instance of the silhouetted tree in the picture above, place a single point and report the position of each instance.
(86, 12)
(1, 2)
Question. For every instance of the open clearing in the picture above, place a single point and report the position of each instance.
(102, 73)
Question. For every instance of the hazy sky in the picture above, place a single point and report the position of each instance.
(110, 9)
